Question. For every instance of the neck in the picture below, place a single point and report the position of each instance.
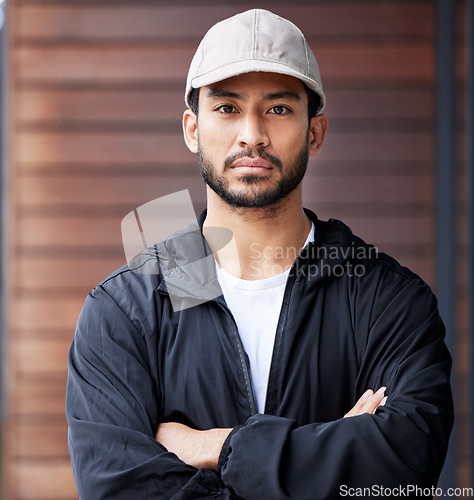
(266, 241)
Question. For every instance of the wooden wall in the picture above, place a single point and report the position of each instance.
(95, 93)
(461, 369)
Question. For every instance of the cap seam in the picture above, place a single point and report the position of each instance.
(254, 49)
(202, 52)
(307, 58)
(246, 59)
(254, 59)
(305, 45)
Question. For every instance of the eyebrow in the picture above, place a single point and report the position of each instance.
(282, 95)
(272, 96)
(226, 93)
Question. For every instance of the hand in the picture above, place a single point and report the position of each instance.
(368, 402)
(201, 449)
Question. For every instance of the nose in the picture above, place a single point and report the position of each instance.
(252, 132)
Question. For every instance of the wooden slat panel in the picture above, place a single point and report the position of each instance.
(463, 263)
(50, 274)
(85, 232)
(38, 397)
(61, 235)
(462, 189)
(69, 232)
(40, 480)
(46, 273)
(90, 147)
(367, 63)
(415, 230)
(42, 439)
(373, 146)
(125, 106)
(47, 314)
(128, 22)
(365, 167)
(103, 191)
(323, 165)
(152, 106)
(92, 65)
(379, 19)
(37, 192)
(463, 357)
(38, 357)
(462, 310)
(116, 153)
(59, 148)
(379, 105)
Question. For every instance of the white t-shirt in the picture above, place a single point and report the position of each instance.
(256, 307)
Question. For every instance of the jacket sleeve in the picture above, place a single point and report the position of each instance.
(112, 407)
(402, 445)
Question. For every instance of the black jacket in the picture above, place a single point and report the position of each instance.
(350, 320)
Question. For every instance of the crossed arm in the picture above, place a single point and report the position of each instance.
(201, 449)
(112, 419)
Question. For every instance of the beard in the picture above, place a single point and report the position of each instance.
(256, 195)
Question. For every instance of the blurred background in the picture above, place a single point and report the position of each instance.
(91, 129)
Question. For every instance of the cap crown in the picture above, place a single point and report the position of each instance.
(255, 40)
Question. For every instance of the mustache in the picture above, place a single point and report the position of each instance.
(251, 153)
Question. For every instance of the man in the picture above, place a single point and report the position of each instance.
(265, 389)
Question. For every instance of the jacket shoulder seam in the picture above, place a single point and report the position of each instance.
(411, 278)
(117, 304)
(115, 275)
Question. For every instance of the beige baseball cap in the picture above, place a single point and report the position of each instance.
(255, 40)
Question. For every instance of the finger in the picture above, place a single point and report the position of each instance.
(382, 403)
(375, 401)
(356, 408)
(365, 396)
(367, 403)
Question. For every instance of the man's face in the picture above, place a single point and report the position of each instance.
(253, 138)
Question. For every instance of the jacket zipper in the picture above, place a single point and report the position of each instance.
(240, 349)
(243, 362)
(277, 344)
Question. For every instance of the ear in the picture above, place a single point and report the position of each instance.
(190, 130)
(317, 131)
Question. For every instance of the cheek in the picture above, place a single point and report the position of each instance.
(288, 142)
(215, 141)
(292, 132)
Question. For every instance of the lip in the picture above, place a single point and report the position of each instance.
(252, 164)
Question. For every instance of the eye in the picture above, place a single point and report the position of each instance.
(279, 110)
(226, 109)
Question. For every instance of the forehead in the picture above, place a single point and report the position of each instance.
(257, 83)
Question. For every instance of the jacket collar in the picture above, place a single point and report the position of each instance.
(187, 268)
